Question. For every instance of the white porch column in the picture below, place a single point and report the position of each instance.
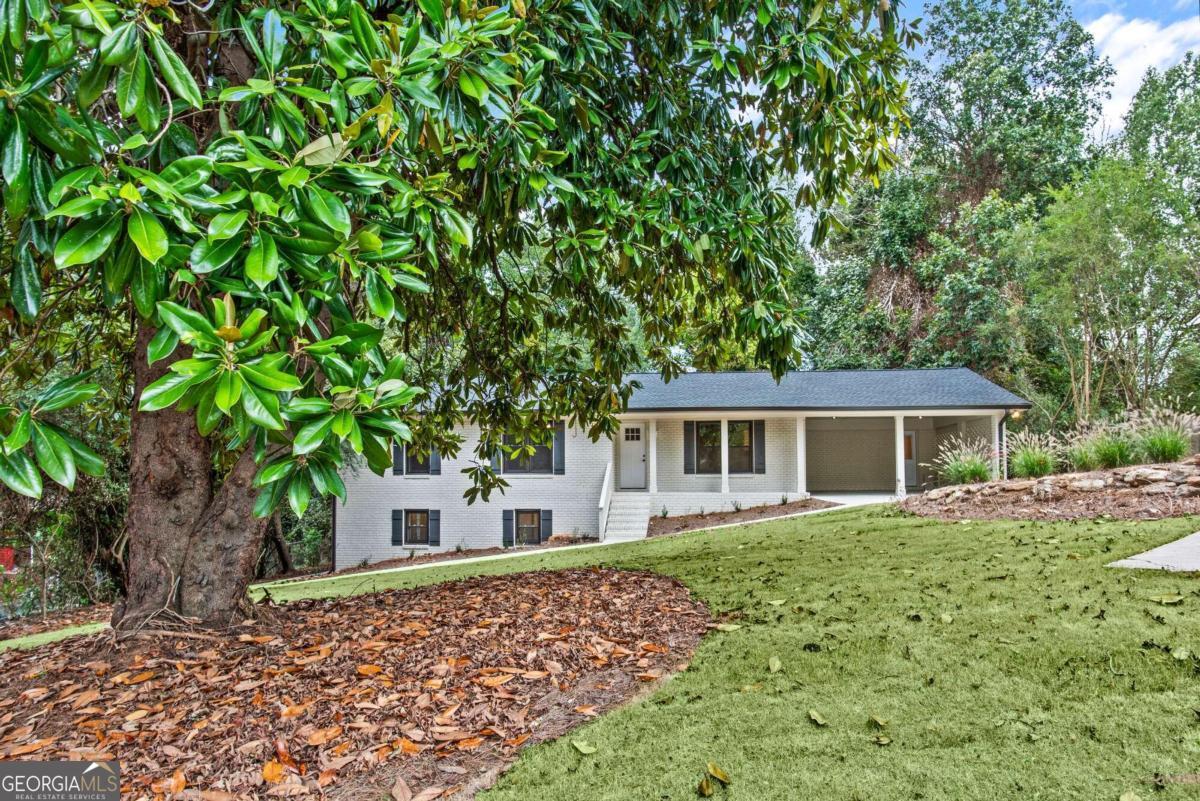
(652, 456)
(996, 418)
(901, 489)
(724, 455)
(801, 457)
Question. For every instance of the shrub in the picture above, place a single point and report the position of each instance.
(1163, 444)
(1080, 455)
(1114, 448)
(963, 460)
(1163, 434)
(1032, 455)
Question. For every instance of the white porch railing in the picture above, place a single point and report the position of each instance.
(605, 498)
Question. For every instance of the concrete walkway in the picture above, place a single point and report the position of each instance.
(1180, 556)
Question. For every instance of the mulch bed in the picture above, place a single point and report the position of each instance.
(1150, 495)
(36, 624)
(660, 525)
(429, 691)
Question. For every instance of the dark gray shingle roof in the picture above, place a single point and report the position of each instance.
(823, 390)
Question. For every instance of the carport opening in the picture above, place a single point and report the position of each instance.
(858, 454)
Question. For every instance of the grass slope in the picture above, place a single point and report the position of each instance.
(1007, 660)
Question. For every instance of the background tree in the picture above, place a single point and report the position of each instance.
(1117, 266)
(922, 271)
(1163, 124)
(283, 203)
(1005, 97)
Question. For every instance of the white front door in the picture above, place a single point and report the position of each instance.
(633, 456)
(910, 458)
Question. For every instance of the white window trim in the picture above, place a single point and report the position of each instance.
(404, 461)
(550, 474)
(408, 544)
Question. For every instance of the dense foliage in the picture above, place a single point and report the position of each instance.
(1013, 240)
(315, 216)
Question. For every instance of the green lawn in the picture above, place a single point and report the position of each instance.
(1006, 660)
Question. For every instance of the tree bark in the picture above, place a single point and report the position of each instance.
(170, 486)
(223, 549)
(281, 547)
(192, 544)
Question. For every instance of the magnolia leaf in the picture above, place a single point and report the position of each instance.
(262, 261)
(19, 474)
(322, 150)
(817, 718)
(584, 747)
(148, 235)
(1169, 599)
(717, 773)
(774, 664)
(87, 241)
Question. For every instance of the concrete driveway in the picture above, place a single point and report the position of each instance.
(854, 498)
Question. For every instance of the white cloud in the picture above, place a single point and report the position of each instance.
(1133, 46)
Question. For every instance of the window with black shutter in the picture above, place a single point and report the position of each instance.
(741, 446)
(416, 527)
(529, 527)
(546, 459)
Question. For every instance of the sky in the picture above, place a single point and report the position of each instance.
(1136, 36)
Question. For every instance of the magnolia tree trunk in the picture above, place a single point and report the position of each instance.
(193, 539)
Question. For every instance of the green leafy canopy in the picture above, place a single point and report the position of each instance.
(319, 206)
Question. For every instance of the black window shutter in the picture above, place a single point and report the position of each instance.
(435, 462)
(760, 446)
(547, 524)
(435, 527)
(560, 448)
(397, 527)
(689, 447)
(507, 539)
(397, 460)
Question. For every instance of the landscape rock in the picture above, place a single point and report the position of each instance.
(1018, 486)
(1043, 491)
(1159, 488)
(1087, 484)
(1187, 491)
(1140, 476)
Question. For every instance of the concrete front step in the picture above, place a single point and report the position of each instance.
(628, 516)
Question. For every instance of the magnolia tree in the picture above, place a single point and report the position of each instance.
(305, 211)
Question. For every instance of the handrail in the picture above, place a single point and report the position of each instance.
(605, 499)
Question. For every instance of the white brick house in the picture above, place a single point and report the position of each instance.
(704, 441)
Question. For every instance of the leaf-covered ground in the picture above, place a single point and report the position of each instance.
(435, 686)
(865, 654)
(1001, 659)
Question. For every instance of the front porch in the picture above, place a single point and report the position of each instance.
(679, 464)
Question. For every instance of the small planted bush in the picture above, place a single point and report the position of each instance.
(1114, 448)
(1163, 434)
(1081, 456)
(1032, 455)
(1163, 444)
(963, 460)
